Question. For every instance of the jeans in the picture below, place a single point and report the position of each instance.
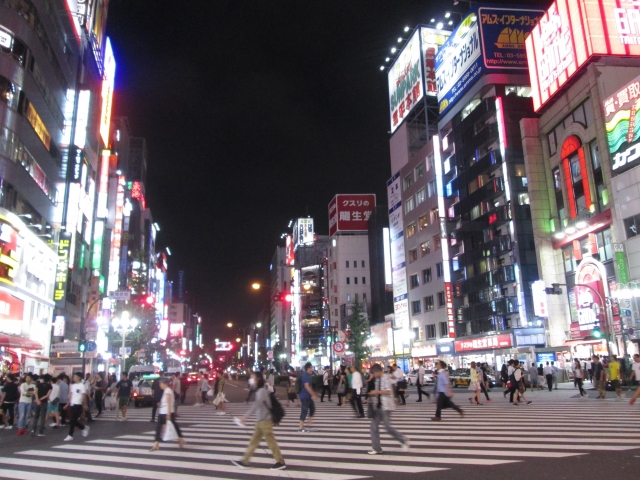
(76, 413)
(445, 402)
(24, 409)
(162, 421)
(549, 381)
(264, 429)
(325, 388)
(579, 383)
(307, 406)
(383, 416)
(39, 417)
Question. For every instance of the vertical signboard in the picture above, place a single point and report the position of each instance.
(622, 123)
(107, 92)
(540, 308)
(116, 238)
(621, 262)
(303, 232)
(62, 269)
(398, 262)
(350, 213)
(405, 81)
(431, 40)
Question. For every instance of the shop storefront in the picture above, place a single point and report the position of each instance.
(427, 353)
(27, 273)
(482, 350)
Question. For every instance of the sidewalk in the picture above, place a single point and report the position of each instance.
(568, 390)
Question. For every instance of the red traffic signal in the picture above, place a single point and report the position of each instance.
(150, 300)
(285, 297)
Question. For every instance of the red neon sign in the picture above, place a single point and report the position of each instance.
(493, 218)
(571, 33)
(136, 192)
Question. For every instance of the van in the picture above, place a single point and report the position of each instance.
(139, 370)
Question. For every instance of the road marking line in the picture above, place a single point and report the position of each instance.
(25, 475)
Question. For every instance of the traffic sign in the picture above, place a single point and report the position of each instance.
(125, 351)
(338, 347)
(626, 312)
(630, 331)
(91, 346)
(120, 295)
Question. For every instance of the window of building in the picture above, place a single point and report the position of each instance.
(407, 182)
(428, 303)
(441, 302)
(423, 222)
(409, 205)
(8, 93)
(434, 215)
(364, 296)
(411, 230)
(355, 280)
(425, 248)
(355, 264)
(436, 242)
(419, 170)
(631, 226)
(430, 159)
(444, 329)
(364, 280)
(347, 263)
(430, 331)
(598, 179)
(413, 255)
(362, 263)
(414, 281)
(348, 297)
(433, 190)
(557, 185)
(576, 179)
(416, 307)
(348, 281)
(418, 333)
(439, 270)
(426, 275)
(523, 199)
(421, 195)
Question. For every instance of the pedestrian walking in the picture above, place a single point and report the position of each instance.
(614, 376)
(27, 391)
(522, 386)
(382, 403)
(157, 392)
(166, 412)
(99, 388)
(342, 385)
(292, 397)
(548, 375)
(420, 381)
(220, 400)
(77, 397)
(554, 375)
(325, 384)
(444, 393)
(203, 387)
(504, 379)
(534, 378)
(176, 386)
(397, 377)
(263, 428)
(484, 380)
(599, 377)
(123, 394)
(306, 395)
(41, 404)
(578, 376)
(252, 387)
(10, 395)
(474, 384)
(357, 384)
(63, 383)
(635, 373)
(54, 402)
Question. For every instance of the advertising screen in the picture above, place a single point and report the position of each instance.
(623, 126)
(350, 213)
(405, 81)
(571, 33)
(488, 40)
(107, 92)
(303, 232)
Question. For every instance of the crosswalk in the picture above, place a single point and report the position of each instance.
(336, 448)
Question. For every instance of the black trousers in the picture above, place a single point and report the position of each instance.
(420, 391)
(401, 396)
(484, 390)
(251, 392)
(98, 397)
(445, 402)
(579, 383)
(512, 390)
(162, 421)
(356, 403)
(7, 408)
(325, 388)
(549, 381)
(63, 413)
(76, 413)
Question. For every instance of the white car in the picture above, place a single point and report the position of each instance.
(412, 377)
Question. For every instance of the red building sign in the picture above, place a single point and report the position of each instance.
(350, 213)
(491, 342)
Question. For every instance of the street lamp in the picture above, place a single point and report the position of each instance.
(124, 324)
(229, 324)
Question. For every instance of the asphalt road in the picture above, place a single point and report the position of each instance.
(558, 436)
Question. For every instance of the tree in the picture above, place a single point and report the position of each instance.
(140, 337)
(358, 334)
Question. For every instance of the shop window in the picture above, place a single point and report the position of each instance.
(430, 331)
(416, 307)
(414, 281)
(631, 226)
(426, 275)
(423, 222)
(569, 262)
(428, 303)
(523, 199)
(409, 205)
(411, 230)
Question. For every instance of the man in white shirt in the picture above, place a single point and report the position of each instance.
(548, 374)
(635, 373)
(325, 384)
(420, 381)
(77, 394)
(396, 378)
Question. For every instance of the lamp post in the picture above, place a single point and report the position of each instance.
(125, 324)
(83, 321)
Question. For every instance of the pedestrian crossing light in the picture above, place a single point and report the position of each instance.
(596, 333)
(554, 289)
(82, 346)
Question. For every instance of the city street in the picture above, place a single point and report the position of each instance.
(559, 436)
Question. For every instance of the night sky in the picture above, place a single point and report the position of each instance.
(255, 112)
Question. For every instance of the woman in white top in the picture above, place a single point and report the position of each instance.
(474, 384)
(578, 374)
(166, 409)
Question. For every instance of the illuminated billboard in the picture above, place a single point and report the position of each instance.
(350, 213)
(107, 92)
(289, 251)
(303, 233)
(412, 75)
(571, 33)
(488, 40)
(623, 126)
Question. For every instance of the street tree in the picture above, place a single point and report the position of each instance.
(358, 329)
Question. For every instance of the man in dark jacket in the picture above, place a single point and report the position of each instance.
(157, 397)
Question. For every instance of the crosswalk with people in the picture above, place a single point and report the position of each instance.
(336, 447)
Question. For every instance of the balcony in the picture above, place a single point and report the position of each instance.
(479, 311)
(490, 190)
(501, 275)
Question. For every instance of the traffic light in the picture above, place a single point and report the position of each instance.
(82, 346)
(284, 297)
(596, 333)
(150, 300)
(554, 289)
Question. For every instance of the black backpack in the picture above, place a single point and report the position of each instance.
(277, 412)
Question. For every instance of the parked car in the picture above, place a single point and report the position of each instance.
(412, 377)
(460, 377)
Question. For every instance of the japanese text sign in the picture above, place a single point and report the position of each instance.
(484, 343)
(540, 308)
(623, 126)
(350, 213)
(62, 269)
(572, 32)
(451, 317)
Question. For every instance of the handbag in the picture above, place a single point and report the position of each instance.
(219, 399)
(170, 432)
(341, 389)
(209, 393)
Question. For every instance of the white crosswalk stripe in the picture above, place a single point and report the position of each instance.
(336, 447)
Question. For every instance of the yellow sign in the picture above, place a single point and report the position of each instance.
(62, 270)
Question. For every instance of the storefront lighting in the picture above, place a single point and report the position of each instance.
(581, 225)
(439, 25)
(570, 230)
(394, 50)
(407, 28)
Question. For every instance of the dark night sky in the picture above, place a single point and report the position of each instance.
(255, 112)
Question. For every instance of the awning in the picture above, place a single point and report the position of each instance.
(13, 341)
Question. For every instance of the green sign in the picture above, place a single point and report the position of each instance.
(621, 263)
(98, 234)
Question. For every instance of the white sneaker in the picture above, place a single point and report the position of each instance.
(406, 445)
(220, 413)
(85, 432)
(68, 438)
(9, 427)
(52, 424)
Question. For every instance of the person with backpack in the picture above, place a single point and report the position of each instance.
(262, 408)
(8, 398)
